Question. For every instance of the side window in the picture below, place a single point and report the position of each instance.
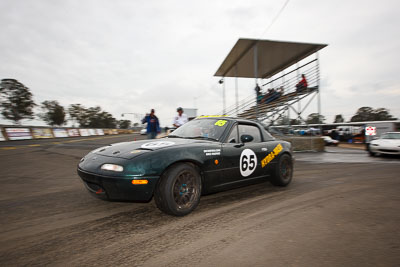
(250, 130)
(233, 137)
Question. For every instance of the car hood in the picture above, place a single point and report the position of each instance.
(387, 142)
(129, 150)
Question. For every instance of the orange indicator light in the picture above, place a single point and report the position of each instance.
(216, 162)
(140, 181)
(99, 191)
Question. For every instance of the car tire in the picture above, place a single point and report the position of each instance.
(179, 189)
(283, 173)
(372, 154)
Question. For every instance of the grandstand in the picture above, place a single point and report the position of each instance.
(274, 65)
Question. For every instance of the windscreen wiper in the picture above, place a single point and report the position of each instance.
(175, 136)
(202, 137)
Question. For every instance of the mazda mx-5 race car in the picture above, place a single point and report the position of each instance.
(205, 155)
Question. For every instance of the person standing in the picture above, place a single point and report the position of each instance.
(153, 125)
(259, 96)
(180, 119)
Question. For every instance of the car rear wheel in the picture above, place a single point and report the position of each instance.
(283, 172)
(179, 189)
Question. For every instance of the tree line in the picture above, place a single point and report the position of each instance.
(17, 104)
(362, 114)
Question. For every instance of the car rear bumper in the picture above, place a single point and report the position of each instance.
(118, 188)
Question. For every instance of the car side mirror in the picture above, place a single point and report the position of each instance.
(246, 138)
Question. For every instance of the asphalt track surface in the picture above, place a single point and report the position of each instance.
(342, 209)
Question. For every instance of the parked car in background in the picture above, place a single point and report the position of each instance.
(329, 141)
(143, 131)
(388, 143)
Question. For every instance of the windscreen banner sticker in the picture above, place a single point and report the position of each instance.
(212, 152)
(271, 155)
(220, 123)
(248, 162)
(212, 116)
(157, 144)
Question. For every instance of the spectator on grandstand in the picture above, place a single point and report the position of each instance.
(258, 92)
(266, 95)
(273, 95)
(300, 86)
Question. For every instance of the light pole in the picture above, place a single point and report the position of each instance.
(138, 116)
(222, 81)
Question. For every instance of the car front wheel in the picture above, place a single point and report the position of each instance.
(179, 189)
(283, 172)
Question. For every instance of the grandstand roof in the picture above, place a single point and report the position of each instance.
(272, 57)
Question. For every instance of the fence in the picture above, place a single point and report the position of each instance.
(13, 133)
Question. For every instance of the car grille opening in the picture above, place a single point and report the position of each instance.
(389, 150)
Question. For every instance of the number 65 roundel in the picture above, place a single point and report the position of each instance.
(248, 162)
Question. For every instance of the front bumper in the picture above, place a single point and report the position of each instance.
(118, 188)
(385, 150)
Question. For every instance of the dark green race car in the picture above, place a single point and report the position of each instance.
(205, 155)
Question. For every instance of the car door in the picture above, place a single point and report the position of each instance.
(241, 161)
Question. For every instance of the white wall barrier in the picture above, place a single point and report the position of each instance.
(15, 133)
(18, 133)
(1, 135)
(83, 132)
(58, 132)
(73, 132)
(39, 133)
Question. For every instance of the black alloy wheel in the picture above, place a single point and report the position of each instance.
(283, 173)
(179, 189)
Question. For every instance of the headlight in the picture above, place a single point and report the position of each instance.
(112, 167)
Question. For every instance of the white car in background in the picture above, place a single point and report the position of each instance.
(329, 141)
(143, 131)
(388, 143)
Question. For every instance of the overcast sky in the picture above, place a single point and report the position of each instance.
(131, 56)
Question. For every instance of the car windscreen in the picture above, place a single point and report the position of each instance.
(211, 129)
(391, 136)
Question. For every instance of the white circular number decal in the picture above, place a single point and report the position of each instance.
(157, 144)
(248, 162)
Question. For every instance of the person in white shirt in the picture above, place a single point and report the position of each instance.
(180, 119)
